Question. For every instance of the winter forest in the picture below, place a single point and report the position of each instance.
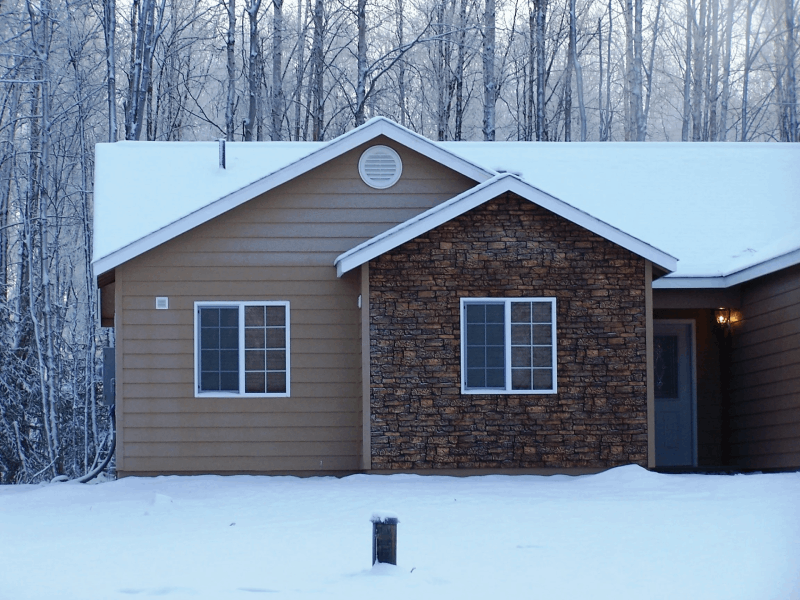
(77, 72)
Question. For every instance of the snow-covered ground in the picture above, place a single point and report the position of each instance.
(625, 533)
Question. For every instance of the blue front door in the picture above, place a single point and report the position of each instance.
(673, 370)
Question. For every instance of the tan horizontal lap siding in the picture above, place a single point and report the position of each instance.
(765, 384)
(279, 246)
(244, 434)
(209, 462)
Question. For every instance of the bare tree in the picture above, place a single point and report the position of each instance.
(253, 69)
(489, 81)
(277, 69)
(540, 7)
(230, 52)
(109, 34)
(726, 73)
(146, 29)
(789, 130)
(317, 69)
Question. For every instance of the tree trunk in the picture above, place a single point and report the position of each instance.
(230, 48)
(726, 74)
(635, 126)
(699, 72)
(713, 90)
(601, 118)
(361, 62)
(401, 64)
(790, 82)
(440, 73)
(277, 69)
(747, 62)
(568, 75)
(540, 6)
(252, 8)
(576, 65)
(640, 127)
(109, 34)
(687, 76)
(629, 69)
(459, 74)
(531, 82)
(489, 82)
(299, 68)
(650, 65)
(318, 103)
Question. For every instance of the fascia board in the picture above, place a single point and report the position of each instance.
(677, 283)
(353, 139)
(476, 196)
(725, 281)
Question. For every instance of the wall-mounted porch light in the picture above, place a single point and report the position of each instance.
(722, 316)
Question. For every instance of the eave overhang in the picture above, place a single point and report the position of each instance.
(734, 278)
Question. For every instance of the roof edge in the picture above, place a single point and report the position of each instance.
(480, 194)
(372, 129)
(772, 265)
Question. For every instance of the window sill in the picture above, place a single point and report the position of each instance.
(237, 395)
(495, 391)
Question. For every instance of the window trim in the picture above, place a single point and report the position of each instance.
(240, 305)
(464, 301)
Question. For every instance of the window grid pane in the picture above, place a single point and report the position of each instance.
(485, 347)
(265, 349)
(531, 345)
(219, 347)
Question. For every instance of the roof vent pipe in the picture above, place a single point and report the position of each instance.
(221, 153)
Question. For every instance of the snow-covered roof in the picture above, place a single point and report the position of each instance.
(147, 193)
(478, 195)
(729, 212)
(141, 187)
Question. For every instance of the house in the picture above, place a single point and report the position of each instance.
(383, 303)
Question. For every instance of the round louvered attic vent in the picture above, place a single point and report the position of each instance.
(380, 167)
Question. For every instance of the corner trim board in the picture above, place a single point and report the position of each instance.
(366, 380)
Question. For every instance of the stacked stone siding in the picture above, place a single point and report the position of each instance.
(508, 247)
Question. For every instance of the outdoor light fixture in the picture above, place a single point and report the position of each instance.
(722, 316)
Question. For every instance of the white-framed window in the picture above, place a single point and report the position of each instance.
(508, 345)
(241, 349)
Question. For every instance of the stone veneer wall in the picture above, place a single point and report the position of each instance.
(508, 247)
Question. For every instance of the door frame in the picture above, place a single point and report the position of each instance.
(693, 370)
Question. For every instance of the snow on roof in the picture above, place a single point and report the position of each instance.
(725, 210)
(720, 208)
(479, 195)
(178, 186)
(141, 187)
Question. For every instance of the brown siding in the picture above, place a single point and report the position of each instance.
(279, 246)
(508, 248)
(765, 374)
(107, 293)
